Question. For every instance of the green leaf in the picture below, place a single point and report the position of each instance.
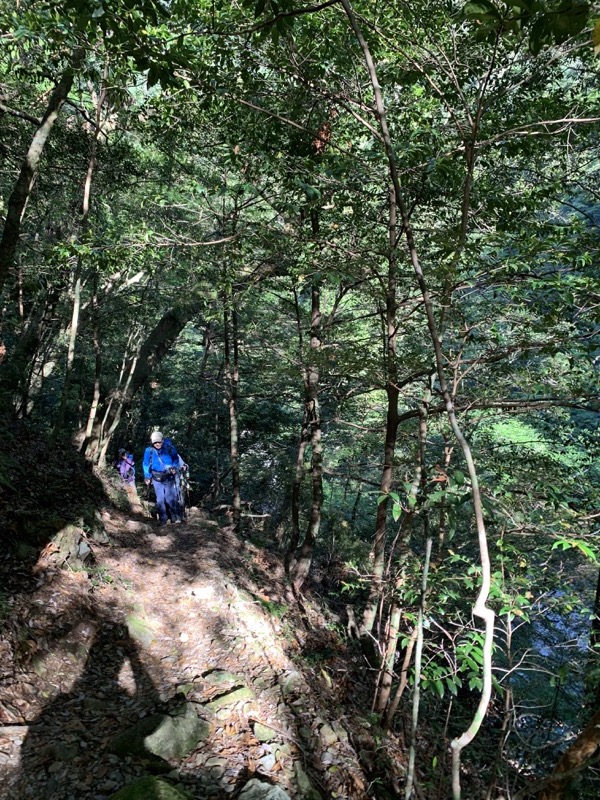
(480, 10)
(576, 544)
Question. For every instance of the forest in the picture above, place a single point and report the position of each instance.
(345, 255)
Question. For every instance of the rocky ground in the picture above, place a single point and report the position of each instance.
(172, 662)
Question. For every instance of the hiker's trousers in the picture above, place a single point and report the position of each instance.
(166, 493)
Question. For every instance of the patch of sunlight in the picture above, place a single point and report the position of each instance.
(256, 623)
(529, 440)
(126, 678)
(203, 592)
(164, 542)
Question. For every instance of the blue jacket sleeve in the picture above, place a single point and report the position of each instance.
(147, 456)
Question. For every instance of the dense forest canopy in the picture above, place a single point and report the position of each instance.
(346, 255)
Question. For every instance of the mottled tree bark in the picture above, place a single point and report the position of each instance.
(299, 571)
(303, 444)
(232, 380)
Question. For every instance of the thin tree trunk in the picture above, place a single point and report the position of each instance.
(410, 773)
(300, 569)
(403, 683)
(18, 371)
(97, 361)
(290, 555)
(232, 379)
(74, 329)
(296, 486)
(391, 643)
(85, 212)
(207, 343)
(19, 197)
(391, 429)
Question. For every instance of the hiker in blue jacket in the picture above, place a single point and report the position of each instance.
(161, 462)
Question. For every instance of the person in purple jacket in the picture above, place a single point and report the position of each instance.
(161, 463)
(126, 466)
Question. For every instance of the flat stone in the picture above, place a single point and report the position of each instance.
(216, 761)
(228, 699)
(139, 629)
(327, 735)
(263, 733)
(306, 790)
(291, 683)
(259, 790)
(218, 677)
(163, 736)
(150, 787)
(267, 762)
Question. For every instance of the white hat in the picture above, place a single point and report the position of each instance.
(156, 437)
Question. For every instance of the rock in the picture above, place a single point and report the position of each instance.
(139, 630)
(291, 683)
(341, 732)
(83, 550)
(263, 733)
(267, 762)
(218, 677)
(306, 789)
(216, 761)
(259, 790)
(149, 788)
(327, 735)
(163, 736)
(137, 527)
(38, 662)
(231, 697)
(66, 544)
(62, 751)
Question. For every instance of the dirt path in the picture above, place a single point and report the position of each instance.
(185, 619)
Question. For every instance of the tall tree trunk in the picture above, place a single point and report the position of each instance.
(232, 380)
(97, 361)
(207, 343)
(85, 212)
(73, 331)
(303, 444)
(391, 429)
(18, 371)
(19, 197)
(404, 535)
(299, 571)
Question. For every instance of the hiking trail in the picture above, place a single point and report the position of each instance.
(165, 668)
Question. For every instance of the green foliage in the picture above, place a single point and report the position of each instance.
(239, 162)
(545, 23)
